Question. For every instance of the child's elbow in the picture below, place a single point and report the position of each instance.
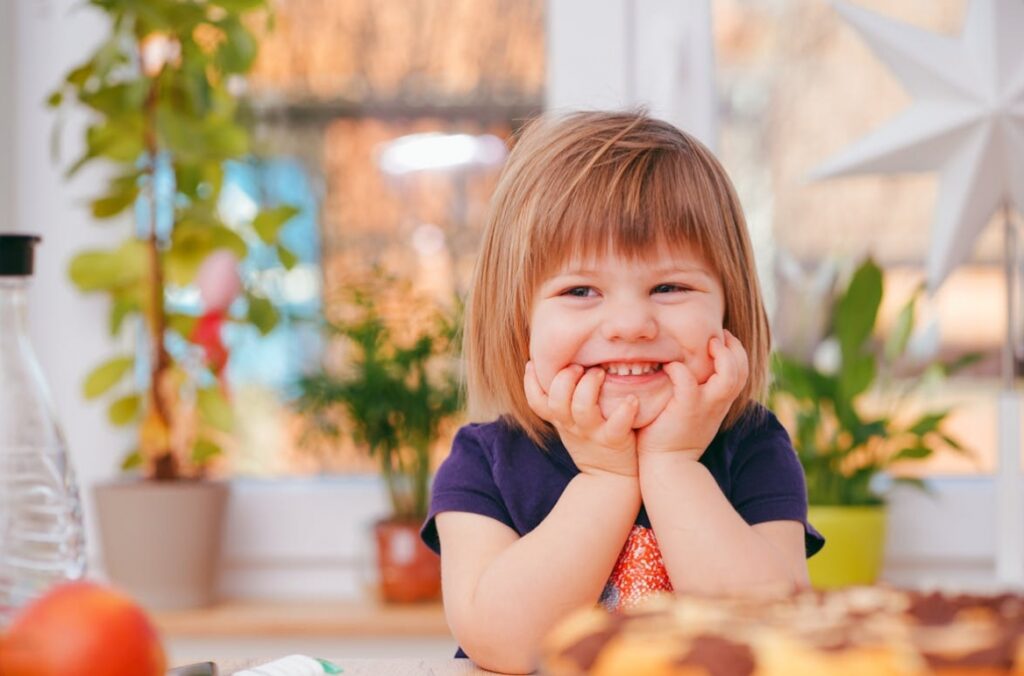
(504, 664)
(503, 654)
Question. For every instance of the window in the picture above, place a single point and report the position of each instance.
(796, 86)
(335, 86)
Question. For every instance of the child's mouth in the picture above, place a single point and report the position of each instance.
(631, 368)
(632, 373)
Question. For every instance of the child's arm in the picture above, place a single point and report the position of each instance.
(706, 545)
(502, 593)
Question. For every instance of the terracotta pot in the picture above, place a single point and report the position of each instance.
(408, 570)
(161, 540)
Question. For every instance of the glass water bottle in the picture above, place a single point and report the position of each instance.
(41, 536)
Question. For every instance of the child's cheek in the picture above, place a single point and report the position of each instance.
(545, 374)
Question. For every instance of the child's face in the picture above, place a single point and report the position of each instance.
(625, 316)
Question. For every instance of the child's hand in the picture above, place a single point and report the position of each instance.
(595, 444)
(692, 416)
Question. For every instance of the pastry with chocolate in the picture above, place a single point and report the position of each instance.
(858, 630)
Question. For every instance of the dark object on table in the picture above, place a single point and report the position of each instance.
(197, 669)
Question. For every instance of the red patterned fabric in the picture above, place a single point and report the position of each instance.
(639, 572)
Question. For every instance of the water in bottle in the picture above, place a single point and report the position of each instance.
(41, 536)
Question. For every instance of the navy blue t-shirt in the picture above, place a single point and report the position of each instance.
(495, 470)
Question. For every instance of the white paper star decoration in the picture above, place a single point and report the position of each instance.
(966, 121)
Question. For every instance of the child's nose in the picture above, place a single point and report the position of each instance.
(628, 321)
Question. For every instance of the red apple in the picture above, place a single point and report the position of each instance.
(82, 629)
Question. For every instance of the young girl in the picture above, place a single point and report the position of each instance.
(616, 338)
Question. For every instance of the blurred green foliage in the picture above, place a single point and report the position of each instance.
(392, 397)
(161, 89)
(842, 445)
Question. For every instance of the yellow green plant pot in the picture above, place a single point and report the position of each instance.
(854, 542)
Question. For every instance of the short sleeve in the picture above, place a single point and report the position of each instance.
(768, 481)
(464, 483)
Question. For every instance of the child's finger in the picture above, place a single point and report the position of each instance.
(741, 360)
(730, 370)
(683, 382)
(535, 395)
(718, 387)
(585, 411)
(560, 393)
(620, 423)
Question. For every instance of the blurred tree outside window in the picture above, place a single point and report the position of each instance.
(796, 85)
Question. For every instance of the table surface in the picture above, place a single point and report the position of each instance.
(363, 667)
(365, 616)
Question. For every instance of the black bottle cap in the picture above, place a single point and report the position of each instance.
(16, 254)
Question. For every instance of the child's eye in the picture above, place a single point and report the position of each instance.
(580, 291)
(669, 288)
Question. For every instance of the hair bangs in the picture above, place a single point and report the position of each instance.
(629, 207)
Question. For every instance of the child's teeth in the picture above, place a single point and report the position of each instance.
(631, 369)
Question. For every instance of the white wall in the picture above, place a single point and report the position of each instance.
(625, 53)
(68, 329)
(6, 115)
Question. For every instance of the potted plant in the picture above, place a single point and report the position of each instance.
(164, 121)
(846, 439)
(393, 396)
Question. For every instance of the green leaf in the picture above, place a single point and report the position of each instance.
(112, 205)
(110, 269)
(962, 362)
(192, 241)
(132, 460)
(55, 99)
(106, 375)
(288, 259)
(125, 410)
(119, 102)
(856, 375)
(78, 76)
(896, 344)
(124, 303)
(262, 314)
(238, 51)
(204, 451)
(214, 409)
(857, 310)
(187, 178)
(928, 422)
(915, 453)
(240, 6)
(225, 140)
(182, 324)
(226, 238)
(800, 381)
(127, 299)
(955, 445)
(268, 222)
(118, 139)
(92, 271)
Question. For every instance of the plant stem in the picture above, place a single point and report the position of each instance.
(165, 466)
(389, 481)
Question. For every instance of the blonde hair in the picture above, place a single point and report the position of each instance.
(583, 185)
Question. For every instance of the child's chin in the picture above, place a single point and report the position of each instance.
(650, 406)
